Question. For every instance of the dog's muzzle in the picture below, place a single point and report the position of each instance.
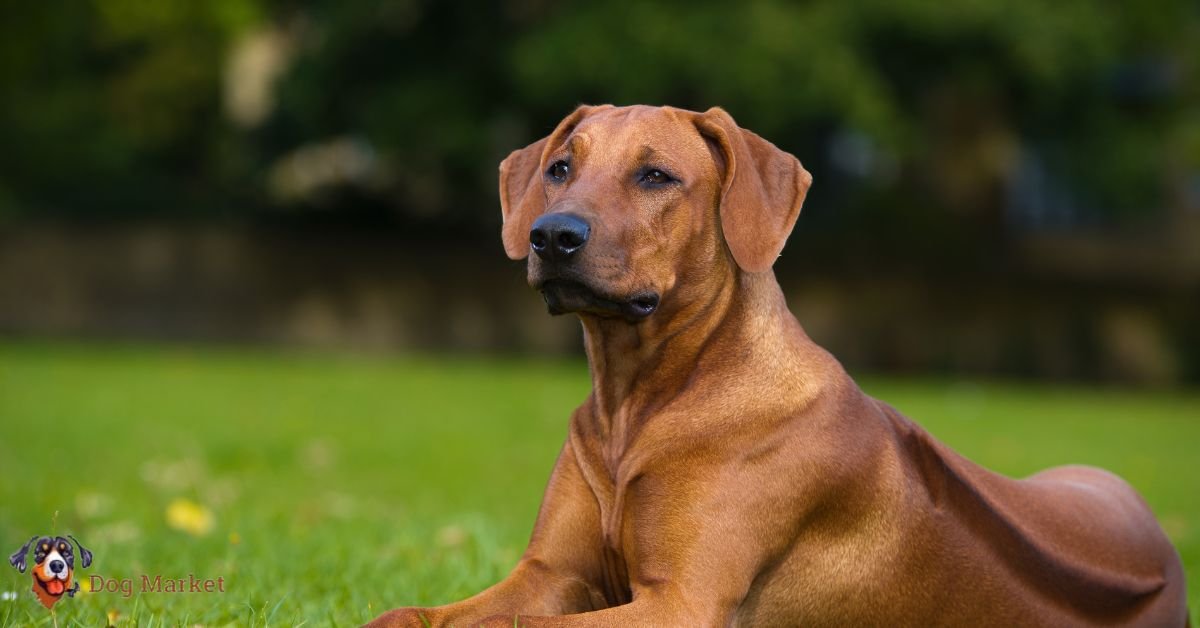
(557, 238)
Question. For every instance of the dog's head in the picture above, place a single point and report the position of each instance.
(53, 563)
(633, 210)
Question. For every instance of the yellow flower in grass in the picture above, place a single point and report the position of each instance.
(186, 515)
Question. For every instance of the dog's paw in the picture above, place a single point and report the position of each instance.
(404, 618)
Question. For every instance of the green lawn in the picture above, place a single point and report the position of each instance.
(340, 486)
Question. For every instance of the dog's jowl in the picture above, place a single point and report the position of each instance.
(725, 470)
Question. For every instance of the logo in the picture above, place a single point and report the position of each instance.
(53, 566)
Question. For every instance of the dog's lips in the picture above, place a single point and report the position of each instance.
(563, 296)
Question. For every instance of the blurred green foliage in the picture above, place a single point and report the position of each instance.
(118, 108)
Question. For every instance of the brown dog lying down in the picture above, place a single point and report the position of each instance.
(725, 470)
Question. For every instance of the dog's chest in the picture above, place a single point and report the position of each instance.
(610, 475)
(610, 493)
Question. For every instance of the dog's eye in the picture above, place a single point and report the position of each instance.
(558, 170)
(654, 176)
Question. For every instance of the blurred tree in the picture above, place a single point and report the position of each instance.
(928, 118)
(111, 107)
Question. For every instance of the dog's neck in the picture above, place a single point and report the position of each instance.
(638, 369)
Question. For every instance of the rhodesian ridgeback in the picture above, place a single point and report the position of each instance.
(725, 470)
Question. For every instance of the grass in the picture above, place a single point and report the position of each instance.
(341, 486)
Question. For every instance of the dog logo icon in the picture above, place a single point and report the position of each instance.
(54, 566)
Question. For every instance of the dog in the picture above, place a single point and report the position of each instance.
(725, 470)
(53, 566)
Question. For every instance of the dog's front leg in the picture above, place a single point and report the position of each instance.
(650, 609)
(696, 537)
(557, 574)
(529, 586)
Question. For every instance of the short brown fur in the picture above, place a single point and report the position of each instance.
(725, 470)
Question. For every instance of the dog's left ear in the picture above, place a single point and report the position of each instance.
(85, 556)
(522, 198)
(761, 192)
(18, 558)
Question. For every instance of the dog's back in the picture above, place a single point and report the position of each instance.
(1075, 543)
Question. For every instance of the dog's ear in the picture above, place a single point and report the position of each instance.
(18, 558)
(85, 556)
(762, 190)
(522, 198)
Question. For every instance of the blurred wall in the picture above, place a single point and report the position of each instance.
(373, 292)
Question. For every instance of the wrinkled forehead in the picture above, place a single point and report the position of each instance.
(641, 133)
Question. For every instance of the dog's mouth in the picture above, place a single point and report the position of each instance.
(564, 296)
(53, 586)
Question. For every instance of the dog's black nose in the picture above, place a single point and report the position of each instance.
(556, 237)
(57, 566)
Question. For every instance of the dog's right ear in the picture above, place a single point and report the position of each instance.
(18, 559)
(85, 555)
(522, 197)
